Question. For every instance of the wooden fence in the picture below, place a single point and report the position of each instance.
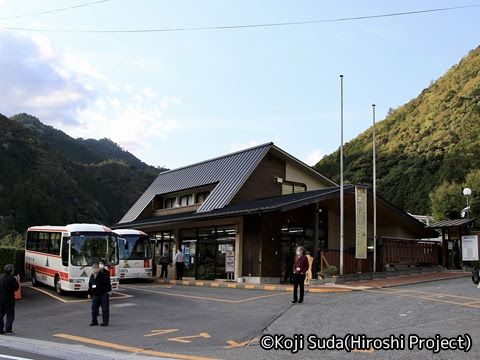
(392, 252)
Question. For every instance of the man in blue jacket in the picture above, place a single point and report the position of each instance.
(99, 290)
(8, 286)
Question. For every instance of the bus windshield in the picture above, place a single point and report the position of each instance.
(90, 248)
(135, 247)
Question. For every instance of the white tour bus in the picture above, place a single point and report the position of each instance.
(135, 254)
(62, 256)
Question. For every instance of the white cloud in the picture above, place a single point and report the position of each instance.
(314, 157)
(167, 100)
(242, 146)
(69, 93)
(35, 80)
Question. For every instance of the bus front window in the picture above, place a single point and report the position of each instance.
(135, 247)
(90, 248)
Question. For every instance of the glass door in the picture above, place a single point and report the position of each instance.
(206, 254)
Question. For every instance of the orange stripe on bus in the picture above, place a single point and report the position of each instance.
(50, 272)
(41, 253)
(48, 229)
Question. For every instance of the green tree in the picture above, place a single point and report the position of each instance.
(472, 181)
(447, 201)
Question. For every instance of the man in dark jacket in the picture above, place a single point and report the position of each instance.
(8, 286)
(300, 267)
(99, 290)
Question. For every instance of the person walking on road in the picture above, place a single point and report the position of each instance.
(308, 274)
(299, 270)
(99, 290)
(164, 261)
(179, 263)
(8, 286)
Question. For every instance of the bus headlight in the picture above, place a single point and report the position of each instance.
(76, 281)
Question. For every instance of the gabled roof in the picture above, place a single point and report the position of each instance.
(228, 172)
(445, 224)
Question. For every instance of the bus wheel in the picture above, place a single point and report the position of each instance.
(34, 278)
(58, 285)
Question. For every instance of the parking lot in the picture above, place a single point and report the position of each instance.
(189, 322)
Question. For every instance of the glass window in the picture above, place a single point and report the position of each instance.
(170, 203)
(32, 241)
(43, 242)
(201, 197)
(135, 247)
(289, 187)
(186, 200)
(89, 248)
(55, 243)
(65, 251)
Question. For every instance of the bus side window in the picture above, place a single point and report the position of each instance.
(65, 251)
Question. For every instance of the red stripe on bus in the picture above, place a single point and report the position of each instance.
(51, 272)
(48, 229)
(42, 253)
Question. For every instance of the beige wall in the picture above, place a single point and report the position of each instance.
(349, 231)
(294, 174)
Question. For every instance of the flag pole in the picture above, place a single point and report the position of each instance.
(374, 194)
(341, 176)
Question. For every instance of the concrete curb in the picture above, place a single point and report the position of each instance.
(247, 286)
(330, 288)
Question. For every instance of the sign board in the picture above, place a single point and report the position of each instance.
(469, 248)
(230, 261)
(360, 223)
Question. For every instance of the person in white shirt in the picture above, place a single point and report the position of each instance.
(179, 263)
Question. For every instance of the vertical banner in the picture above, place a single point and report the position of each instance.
(360, 223)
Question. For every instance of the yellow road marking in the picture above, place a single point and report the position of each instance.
(234, 344)
(199, 283)
(215, 285)
(207, 298)
(329, 290)
(269, 288)
(119, 296)
(130, 348)
(161, 332)
(232, 286)
(182, 339)
(399, 293)
(250, 287)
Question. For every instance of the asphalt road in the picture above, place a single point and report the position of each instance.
(181, 321)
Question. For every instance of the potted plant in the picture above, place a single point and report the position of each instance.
(328, 273)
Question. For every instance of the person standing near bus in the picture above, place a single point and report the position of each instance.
(8, 286)
(164, 261)
(99, 290)
(179, 263)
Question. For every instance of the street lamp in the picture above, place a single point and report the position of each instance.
(467, 192)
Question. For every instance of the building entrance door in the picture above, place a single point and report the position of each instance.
(206, 254)
(292, 237)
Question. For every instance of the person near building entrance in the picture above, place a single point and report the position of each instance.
(179, 263)
(299, 270)
(308, 274)
(99, 290)
(8, 286)
(164, 261)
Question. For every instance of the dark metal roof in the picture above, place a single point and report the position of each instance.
(276, 203)
(451, 223)
(229, 172)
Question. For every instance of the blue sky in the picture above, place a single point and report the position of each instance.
(175, 98)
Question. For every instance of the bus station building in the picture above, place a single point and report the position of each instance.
(255, 207)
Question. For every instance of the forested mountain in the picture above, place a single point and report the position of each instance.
(73, 182)
(83, 151)
(424, 147)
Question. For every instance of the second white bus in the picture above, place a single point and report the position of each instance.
(62, 256)
(135, 254)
